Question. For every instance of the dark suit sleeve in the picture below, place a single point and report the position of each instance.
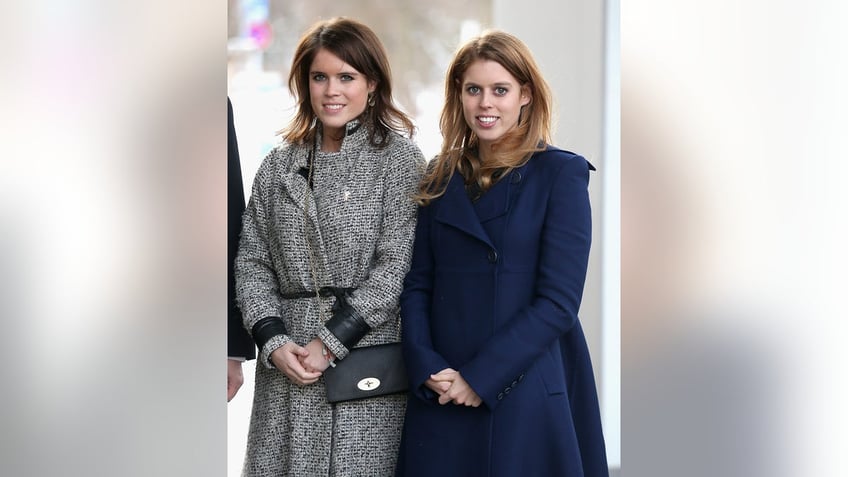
(239, 342)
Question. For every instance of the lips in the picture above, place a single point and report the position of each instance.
(333, 108)
(486, 121)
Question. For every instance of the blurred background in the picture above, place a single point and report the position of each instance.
(576, 45)
(733, 230)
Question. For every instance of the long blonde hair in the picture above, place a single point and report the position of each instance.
(459, 145)
(357, 45)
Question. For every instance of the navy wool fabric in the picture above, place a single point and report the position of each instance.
(493, 292)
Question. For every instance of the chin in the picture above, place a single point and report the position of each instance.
(334, 122)
(489, 136)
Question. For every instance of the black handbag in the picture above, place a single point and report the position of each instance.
(367, 372)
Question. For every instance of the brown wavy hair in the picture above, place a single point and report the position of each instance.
(459, 145)
(357, 45)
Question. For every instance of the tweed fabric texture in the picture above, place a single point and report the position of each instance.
(361, 222)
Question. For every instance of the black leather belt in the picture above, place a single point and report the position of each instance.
(338, 292)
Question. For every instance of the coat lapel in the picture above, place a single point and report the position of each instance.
(293, 181)
(498, 200)
(457, 211)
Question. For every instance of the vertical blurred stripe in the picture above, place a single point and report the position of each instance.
(112, 258)
(733, 233)
(611, 240)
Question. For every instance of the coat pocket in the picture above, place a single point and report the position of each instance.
(553, 375)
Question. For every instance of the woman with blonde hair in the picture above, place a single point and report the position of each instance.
(501, 383)
(327, 238)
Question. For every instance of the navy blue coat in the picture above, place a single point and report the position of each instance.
(493, 292)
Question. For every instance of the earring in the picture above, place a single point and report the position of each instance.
(371, 99)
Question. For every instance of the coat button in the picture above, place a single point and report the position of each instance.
(514, 383)
(493, 256)
(516, 177)
(520, 377)
(500, 396)
(507, 390)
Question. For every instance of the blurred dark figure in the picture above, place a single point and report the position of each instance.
(239, 344)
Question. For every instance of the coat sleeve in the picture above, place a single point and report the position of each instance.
(239, 343)
(376, 298)
(564, 256)
(257, 284)
(419, 356)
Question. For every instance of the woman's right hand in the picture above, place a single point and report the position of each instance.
(287, 359)
(439, 387)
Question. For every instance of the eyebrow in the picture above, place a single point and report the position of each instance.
(349, 73)
(501, 83)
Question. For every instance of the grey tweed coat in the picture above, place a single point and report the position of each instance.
(361, 227)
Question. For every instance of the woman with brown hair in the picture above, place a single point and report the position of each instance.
(326, 242)
(501, 382)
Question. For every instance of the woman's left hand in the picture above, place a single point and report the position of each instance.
(440, 382)
(316, 361)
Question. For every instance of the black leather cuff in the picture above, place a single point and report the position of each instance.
(267, 328)
(347, 325)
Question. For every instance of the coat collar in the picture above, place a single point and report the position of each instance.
(356, 135)
(294, 183)
(458, 211)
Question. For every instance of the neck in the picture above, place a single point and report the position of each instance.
(331, 139)
(484, 150)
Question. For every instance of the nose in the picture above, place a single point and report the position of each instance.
(332, 87)
(485, 100)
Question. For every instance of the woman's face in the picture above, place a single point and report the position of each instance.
(337, 91)
(491, 100)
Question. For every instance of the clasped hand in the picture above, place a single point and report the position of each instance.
(305, 364)
(302, 364)
(452, 387)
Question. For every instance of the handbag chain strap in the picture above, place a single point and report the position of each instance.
(310, 195)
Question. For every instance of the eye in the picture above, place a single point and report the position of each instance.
(473, 90)
(501, 91)
(346, 78)
(318, 77)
